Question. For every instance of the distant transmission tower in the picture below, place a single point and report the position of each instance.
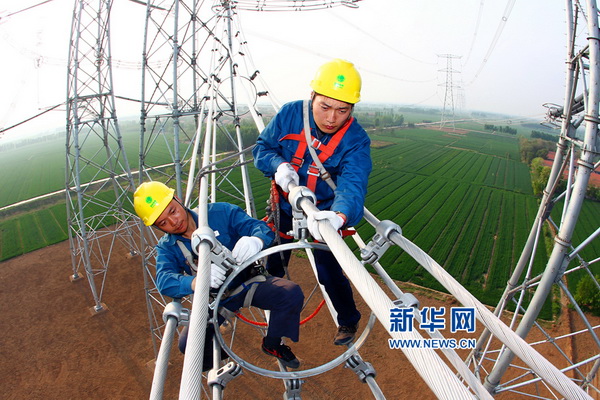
(451, 90)
(98, 177)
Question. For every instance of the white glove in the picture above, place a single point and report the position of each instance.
(246, 247)
(217, 276)
(313, 227)
(286, 174)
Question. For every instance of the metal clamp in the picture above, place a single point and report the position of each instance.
(298, 193)
(175, 309)
(380, 242)
(407, 300)
(224, 375)
(299, 225)
(374, 249)
(361, 368)
(292, 389)
(221, 255)
(386, 228)
(203, 234)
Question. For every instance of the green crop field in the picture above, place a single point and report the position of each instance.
(465, 199)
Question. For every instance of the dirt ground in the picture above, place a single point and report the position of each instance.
(53, 347)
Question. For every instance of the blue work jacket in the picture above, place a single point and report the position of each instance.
(229, 222)
(349, 166)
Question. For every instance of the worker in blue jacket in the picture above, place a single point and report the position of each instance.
(343, 147)
(176, 267)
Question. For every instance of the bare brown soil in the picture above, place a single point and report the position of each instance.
(53, 347)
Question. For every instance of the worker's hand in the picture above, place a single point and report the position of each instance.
(217, 276)
(284, 175)
(246, 247)
(313, 226)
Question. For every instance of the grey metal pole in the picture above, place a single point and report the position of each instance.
(559, 259)
(249, 199)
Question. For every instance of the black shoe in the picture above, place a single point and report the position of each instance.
(345, 335)
(283, 353)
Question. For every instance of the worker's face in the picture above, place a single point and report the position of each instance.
(330, 114)
(174, 219)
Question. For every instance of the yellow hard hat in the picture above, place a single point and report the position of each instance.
(339, 80)
(150, 200)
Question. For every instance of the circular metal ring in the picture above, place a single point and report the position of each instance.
(285, 374)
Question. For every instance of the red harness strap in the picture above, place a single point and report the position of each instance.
(326, 151)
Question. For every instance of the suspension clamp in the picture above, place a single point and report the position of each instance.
(386, 228)
(360, 367)
(407, 300)
(299, 193)
(203, 234)
(292, 389)
(175, 309)
(224, 375)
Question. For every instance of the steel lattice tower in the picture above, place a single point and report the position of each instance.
(450, 88)
(98, 177)
(527, 291)
(191, 88)
(198, 82)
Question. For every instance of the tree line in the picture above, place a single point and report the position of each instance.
(503, 129)
(533, 152)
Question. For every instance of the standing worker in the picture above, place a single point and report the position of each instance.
(155, 204)
(343, 148)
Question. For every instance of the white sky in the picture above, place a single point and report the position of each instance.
(395, 44)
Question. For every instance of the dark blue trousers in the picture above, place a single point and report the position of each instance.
(330, 275)
(282, 297)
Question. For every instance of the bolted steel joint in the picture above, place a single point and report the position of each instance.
(375, 249)
(293, 389)
(361, 368)
(407, 300)
(224, 375)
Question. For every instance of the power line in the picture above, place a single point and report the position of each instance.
(501, 25)
(25, 9)
(381, 42)
(2, 130)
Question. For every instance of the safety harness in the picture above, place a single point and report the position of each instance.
(326, 150)
(315, 169)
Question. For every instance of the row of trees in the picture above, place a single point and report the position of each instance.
(532, 148)
(545, 136)
(587, 294)
(379, 119)
(503, 129)
(533, 152)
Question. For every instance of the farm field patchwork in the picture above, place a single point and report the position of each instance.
(463, 198)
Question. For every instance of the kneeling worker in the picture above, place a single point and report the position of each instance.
(155, 204)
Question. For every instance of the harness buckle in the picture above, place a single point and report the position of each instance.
(313, 170)
(318, 143)
(297, 161)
